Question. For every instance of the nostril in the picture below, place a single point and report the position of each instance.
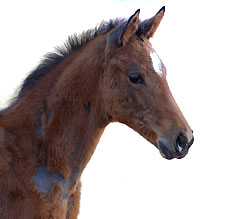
(181, 142)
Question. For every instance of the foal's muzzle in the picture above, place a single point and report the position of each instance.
(178, 149)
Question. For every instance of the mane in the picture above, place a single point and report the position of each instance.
(52, 59)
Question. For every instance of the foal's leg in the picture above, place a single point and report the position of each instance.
(74, 203)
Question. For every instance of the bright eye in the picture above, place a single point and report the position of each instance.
(136, 79)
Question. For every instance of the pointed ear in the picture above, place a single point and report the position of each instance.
(131, 27)
(149, 26)
(122, 34)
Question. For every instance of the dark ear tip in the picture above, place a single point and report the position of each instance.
(162, 9)
(138, 11)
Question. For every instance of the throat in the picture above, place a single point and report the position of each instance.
(71, 138)
(67, 148)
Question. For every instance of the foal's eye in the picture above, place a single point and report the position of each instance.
(136, 79)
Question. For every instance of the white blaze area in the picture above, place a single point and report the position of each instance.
(157, 63)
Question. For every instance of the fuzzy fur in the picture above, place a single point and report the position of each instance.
(50, 131)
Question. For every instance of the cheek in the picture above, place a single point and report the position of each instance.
(122, 102)
(131, 104)
(114, 93)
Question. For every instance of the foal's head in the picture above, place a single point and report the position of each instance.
(135, 89)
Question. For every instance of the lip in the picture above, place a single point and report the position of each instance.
(169, 155)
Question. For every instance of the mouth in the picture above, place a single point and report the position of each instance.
(176, 149)
(179, 153)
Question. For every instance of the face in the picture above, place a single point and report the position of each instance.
(136, 93)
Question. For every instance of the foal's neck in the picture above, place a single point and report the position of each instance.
(77, 119)
(63, 112)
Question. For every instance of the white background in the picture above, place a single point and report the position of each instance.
(127, 177)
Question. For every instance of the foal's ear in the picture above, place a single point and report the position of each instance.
(149, 26)
(130, 28)
(122, 34)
